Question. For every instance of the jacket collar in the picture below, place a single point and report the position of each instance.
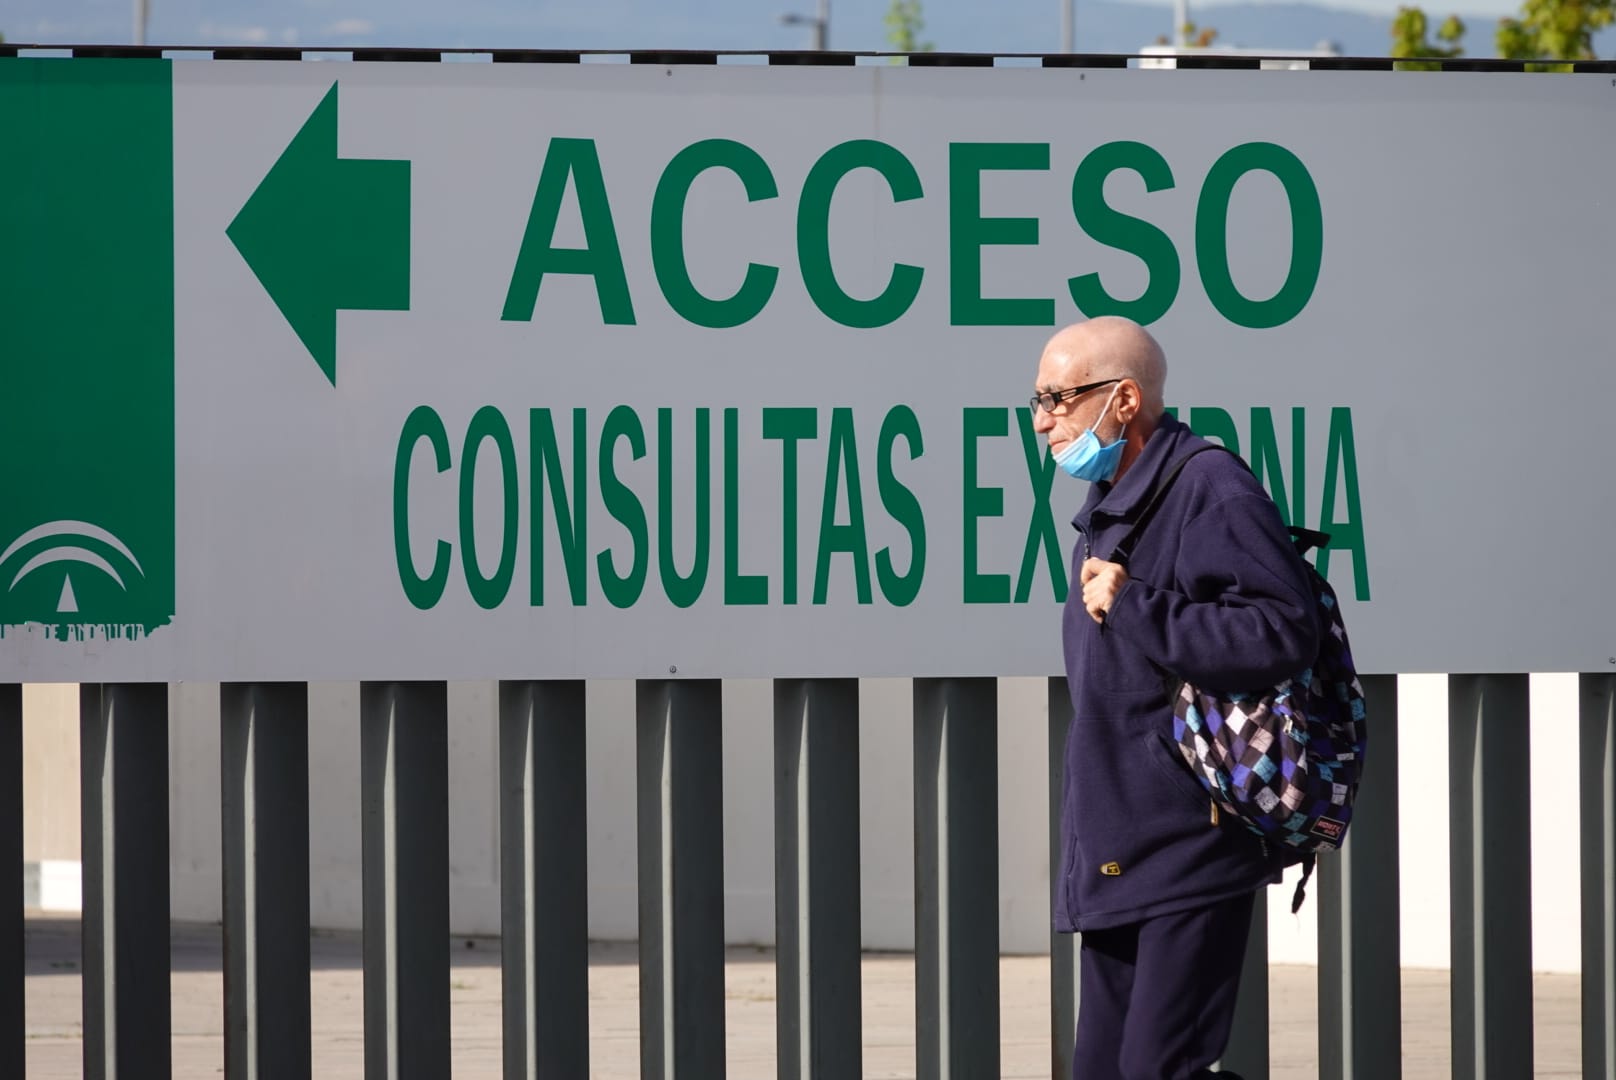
(1124, 498)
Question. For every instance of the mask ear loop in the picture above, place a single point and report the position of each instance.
(1094, 428)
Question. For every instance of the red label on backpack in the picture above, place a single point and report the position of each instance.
(1329, 829)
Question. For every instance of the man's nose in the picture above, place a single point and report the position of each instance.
(1042, 420)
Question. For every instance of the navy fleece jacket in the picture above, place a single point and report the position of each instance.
(1215, 595)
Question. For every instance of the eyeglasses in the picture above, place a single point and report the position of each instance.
(1049, 400)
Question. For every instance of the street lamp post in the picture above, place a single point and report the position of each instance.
(1068, 25)
(820, 23)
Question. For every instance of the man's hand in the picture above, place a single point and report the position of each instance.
(1101, 581)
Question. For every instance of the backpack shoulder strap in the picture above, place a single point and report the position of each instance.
(1123, 551)
(1305, 540)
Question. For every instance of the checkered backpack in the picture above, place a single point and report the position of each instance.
(1284, 761)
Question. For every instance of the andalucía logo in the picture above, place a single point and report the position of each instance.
(86, 349)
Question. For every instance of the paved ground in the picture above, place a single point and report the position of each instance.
(55, 1018)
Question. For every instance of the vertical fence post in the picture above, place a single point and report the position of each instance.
(681, 856)
(1248, 1037)
(1063, 948)
(956, 877)
(1360, 945)
(264, 789)
(13, 1026)
(816, 879)
(123, 736)
(1598, 798)
(544, 879)
(404, 791)
(1490, 826)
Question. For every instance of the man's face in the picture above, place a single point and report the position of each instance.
(1074, 415)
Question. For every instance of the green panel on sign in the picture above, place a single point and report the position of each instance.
(87, 356)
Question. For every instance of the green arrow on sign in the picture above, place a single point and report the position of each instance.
(323, 232)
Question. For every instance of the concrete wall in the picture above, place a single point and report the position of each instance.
(50, 772)
(885, 797)
(886, 804)
(50, 792)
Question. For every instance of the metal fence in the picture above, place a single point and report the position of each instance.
(404, 793)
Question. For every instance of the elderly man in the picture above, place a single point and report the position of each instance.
(1212, 592)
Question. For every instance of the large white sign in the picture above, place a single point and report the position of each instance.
(321, 370)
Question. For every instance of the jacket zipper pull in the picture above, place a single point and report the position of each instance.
(1214, 811)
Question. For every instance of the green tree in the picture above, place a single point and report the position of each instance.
(1554, 30)
(1191, 36)
(904, 23)
(1410, 30)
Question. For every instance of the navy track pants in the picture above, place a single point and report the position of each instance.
(1156, 998)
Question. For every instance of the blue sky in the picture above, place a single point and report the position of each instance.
(1003, 26)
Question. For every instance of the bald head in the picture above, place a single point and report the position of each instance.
(1109, 347)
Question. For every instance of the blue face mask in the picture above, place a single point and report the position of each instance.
(1084, 457)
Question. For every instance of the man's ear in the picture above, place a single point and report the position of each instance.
(1130, 400)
